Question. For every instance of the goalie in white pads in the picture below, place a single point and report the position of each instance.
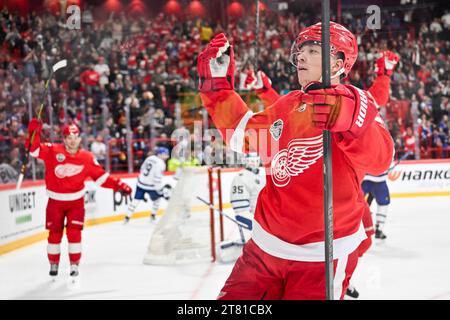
(245, 189)
(150, 181)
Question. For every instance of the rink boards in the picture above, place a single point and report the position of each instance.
(22, 212)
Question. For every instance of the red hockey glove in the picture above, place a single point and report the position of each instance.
(122, 187)
(263, 82)
(386, 63)
(215, 65)
(341, 108)
(35, 125)
(249, 80)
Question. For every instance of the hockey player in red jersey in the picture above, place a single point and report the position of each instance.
(384, 68)
(379, 90)
(66, 168)
(285, 257)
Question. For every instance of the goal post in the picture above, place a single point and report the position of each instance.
(188, 231)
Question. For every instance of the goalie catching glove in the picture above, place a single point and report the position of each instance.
(215, 65)
(341, 108)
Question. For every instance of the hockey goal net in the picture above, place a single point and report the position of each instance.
(189, 229)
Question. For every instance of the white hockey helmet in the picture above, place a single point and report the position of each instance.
(252, 160)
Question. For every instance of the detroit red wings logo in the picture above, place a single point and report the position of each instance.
(299, 156)
(67, 170)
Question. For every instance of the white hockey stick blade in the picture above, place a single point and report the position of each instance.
(60, 64)
(19, 181)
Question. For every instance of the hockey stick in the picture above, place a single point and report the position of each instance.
(60, 64)
(239, 224)
(327, 164)
(256, 66)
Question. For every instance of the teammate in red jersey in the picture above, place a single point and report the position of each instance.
(67, 167)
(285, 257)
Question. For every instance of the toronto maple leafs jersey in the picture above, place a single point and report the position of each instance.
(289, 212)
(65, 173)
(245, 188)
(151, 174)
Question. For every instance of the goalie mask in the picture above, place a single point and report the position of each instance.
(252, 161)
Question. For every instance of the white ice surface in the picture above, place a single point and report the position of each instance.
(412, 263)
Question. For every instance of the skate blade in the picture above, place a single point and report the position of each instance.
(53, 280)
(74, 282)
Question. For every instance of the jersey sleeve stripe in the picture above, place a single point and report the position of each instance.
(102, 179)
(240, 200)
(237, 139)
(146, 184)
(241, 207)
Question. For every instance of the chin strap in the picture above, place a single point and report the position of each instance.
(337, 74)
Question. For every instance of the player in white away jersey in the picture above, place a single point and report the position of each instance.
(376, 187)
(150, 181)
(245, 188)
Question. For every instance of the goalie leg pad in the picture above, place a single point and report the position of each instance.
(245, 221)
(229, 251)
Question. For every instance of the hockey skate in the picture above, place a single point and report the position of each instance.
(74, 278)
(74, 272)
(352, 292)
(152, 217)
(126, 220)
(379, 234)
(53, 271)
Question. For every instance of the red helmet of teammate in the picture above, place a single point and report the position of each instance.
(71, 129)
(341, 40)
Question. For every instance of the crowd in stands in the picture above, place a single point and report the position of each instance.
(126, 75)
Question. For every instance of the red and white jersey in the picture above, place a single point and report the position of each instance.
(65, 173)
(289, 217)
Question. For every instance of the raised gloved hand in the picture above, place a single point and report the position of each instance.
(249, 80)
(263, 82)
(122, 187)
(386, 63)
(341, 108)
(35, 125)
(215, 65)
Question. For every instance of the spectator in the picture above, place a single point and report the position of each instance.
(98, 149)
